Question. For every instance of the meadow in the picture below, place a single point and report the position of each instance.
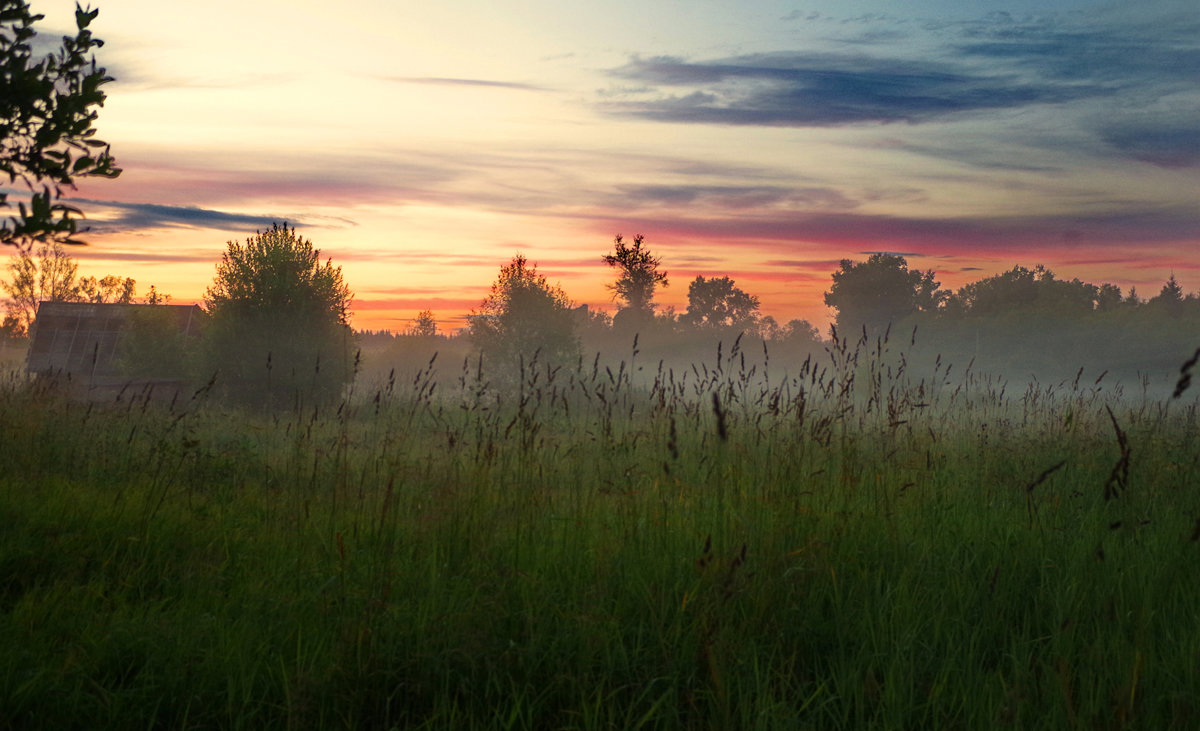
(838, 543)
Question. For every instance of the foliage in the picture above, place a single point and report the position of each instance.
(154, 346)
(109, 289)
(639, 275)
(279, 332)
(47, 108)
(425, 326)
(1170, 299)
(1075, 324)
(1028, 290)
(48, 275)
(799, 330)
(154, 297)
(524, 317)
(717, 303)
(12, 330)
(880, 291)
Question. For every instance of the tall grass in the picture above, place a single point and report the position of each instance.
(840, 543)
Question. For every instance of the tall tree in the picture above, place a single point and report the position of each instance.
(47, 108)
(716, 302)
(47, 274)
(879, 291)
(639, 275)
(524, 315)
(280, 330)
(1170, 299)
(425, 326)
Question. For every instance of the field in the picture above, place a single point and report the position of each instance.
(844, 545)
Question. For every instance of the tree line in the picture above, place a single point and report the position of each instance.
(1022, 323)
(279, 318)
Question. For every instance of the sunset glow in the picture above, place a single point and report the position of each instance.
(422, 145)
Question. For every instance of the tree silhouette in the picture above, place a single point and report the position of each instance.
(1023, 290)
(524, 316)
(639, 275)
(716, 302)
(109, 289)
(1169, 300)
(880, 291)
(425, 326)
(47, 107)
(47, 274)
(280, 321)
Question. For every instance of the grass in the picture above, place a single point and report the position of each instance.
(847, 547)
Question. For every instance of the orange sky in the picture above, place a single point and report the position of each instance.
(422, 145)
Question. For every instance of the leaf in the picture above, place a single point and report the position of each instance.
(84, 18)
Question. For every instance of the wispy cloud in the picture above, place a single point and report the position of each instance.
(1156, 139)
(451, 81)
(736, 196)
(821, 264)
(784, 231)
(116, 216)
(160, 256)
(822, 90)
(1122, 80)
(1102, 49)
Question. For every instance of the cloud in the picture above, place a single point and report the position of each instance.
(942, 69)
(116, 216)
(450, 81)
(1150, 49)
(821, 264)
(1167, 139)
(171, 256)
(784, 231)
(416, 302)
(735, 196)
(796, 89)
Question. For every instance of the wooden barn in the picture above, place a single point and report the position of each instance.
(82, 343)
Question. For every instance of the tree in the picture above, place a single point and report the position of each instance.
(639, 276)
(716, 302)
(800, 331)
(524, 315)
(11, 330)
(107, 289)
(1024, 290)
(47, 108)
(880, 291)
(1108, 297)
(154, 297)
(279, 332)
(153, 345)
(45, 276)
(47, 273)
(1169, 300)
(425, 326)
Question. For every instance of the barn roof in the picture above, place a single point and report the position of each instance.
(82, 338)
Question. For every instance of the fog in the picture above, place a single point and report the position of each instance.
(1119, 358)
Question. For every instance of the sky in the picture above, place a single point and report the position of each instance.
(420, 146)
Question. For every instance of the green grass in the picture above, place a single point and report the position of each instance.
(860, 550)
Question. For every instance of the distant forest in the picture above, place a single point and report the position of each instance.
(1025, 325)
